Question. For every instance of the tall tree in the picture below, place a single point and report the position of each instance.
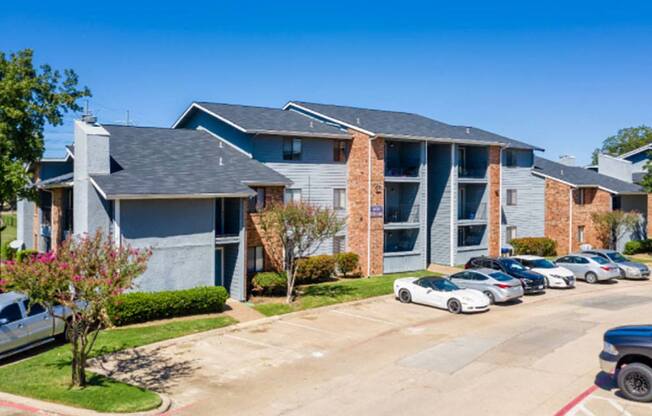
(624, 141)
(30, 98)
(296, 230)
(611, 226)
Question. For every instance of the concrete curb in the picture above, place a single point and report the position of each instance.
(28, 404)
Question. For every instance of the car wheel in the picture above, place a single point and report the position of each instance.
(546, 282)
(454, 306)
(492, 298)
(591, 277)
(404, 296)
(635, 382)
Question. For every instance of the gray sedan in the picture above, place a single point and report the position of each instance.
(589, 267)
(498, 286)
(628, 269)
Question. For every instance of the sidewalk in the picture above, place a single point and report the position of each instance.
(440, 268)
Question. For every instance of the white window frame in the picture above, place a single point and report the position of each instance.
(296, 148)
(259, 200)
(339, 199)
(291, 195)
(257, 263)
(581, 234)
(513, 200)
(339, 241)
(511, 232)
(581, 200)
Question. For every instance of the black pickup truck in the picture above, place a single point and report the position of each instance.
(627, 353)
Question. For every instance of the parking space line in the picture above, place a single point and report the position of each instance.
(323, 331)
(367, 318)
(576, 401)
(260, 344)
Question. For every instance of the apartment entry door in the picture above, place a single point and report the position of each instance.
(219, 266)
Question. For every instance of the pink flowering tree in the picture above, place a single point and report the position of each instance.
(77, 284)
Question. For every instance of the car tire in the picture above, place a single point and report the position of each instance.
(492, 298)
(454, 306)
(404, 296)
(546, 282)
(635, 382)
(591, 278)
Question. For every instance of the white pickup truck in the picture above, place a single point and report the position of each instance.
(23, 327)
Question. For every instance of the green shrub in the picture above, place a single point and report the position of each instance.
(270, 283)
(135, 307)
(6, 252)
(347, 263)
(315, 268)
(638, 246)
(538, 246)
(24, 254)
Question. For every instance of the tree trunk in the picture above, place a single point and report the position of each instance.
(290, 277)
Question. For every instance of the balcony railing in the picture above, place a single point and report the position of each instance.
(471, 172)
(471, 213)
(404, 171)
(402, 213)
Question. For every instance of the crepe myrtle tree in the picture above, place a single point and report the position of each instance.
(296, 230)
(611, 226)
(77, 284)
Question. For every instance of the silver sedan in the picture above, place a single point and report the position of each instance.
(498, 286)
(628, 269)
(590, 268)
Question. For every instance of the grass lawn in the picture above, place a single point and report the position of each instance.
(345, 290)
(9, 233)
(46, 376)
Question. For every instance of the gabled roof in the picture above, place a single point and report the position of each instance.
(61, 181)
(644, 148)
(401, 124)
(265, 120)
(580, 177)
(152, 162)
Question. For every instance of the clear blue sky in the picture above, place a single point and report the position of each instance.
(560, 75)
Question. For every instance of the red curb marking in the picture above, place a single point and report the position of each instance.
(576, 400)
(18, 406)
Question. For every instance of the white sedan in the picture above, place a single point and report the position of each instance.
(556, 276)
(440, 293)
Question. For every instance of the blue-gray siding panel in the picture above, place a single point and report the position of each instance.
(439, 202)
(180, 233)
(528, 215)
(236, 137)
(25, 222)
(463, 255)
(403, 263)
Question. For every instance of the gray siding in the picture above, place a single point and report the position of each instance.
(636, 203)
(181, 235)
(529, 213)
(440, 185)
(316, 174)
(395, 263)
(462, 255)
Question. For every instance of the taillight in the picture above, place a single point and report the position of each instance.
(606, 268)
(502, 285)
(467, 266)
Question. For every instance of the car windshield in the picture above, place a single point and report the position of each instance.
(599, 260)
(513, 264)
(616, 257)
(541, 264)
(500, 276)
(444, 285)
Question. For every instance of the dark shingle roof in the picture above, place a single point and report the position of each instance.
(579, 176)
(401, 124)
(162, 161)
(271, 120)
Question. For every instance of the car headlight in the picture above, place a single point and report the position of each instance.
(609, 349)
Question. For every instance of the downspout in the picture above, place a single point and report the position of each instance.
(116, 223)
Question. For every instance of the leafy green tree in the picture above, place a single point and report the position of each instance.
(611, 226)
(624, 141)
(30, 98)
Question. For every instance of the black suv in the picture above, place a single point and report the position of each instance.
(627, 353)
(532, 282)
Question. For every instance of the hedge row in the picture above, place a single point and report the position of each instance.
(131, 308)
(538, 246)
(8, 253)
(638, 246)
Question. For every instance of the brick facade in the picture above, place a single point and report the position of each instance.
(494, 201)
(255, 235)
(561, 226)
(359, 221)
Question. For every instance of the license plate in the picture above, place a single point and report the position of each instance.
(539, 287)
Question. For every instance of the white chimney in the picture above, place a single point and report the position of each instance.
(567, 160)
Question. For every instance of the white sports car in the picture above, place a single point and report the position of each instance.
(556, 276)
(440, 293)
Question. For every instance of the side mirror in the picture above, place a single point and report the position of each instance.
(429, 291)
(4, 321)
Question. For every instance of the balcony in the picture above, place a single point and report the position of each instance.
(471, 213)
(471, 235)
(402, 159)
(402, 213)
(400, 241)
(472, 162)
(471, 203)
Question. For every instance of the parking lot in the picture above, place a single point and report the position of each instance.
(384, 357)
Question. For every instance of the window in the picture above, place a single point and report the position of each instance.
(255, 260)
(36, 308)
(340, 148)
(580, 198)
(339, 198)
(511, 233)
(511, 197)
(11, 313)
(291, 149)
(580, 233)
(293, 195)
(510, 158)
(257, 202)
(339, 244)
